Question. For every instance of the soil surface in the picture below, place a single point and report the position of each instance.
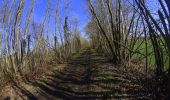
(87, 76)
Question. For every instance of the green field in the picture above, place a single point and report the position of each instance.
(140, 46)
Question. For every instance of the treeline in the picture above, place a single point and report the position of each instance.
(133, 31)
(26, 44)
(127, 31)
(122, 28)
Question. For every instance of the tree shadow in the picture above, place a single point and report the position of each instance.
(21, 90)
(77, 82)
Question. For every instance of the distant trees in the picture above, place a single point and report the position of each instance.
(27, 44)
(127, 31)
(114, 27)
(131, 32)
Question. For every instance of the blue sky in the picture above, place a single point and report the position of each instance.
(80, 10)
(77, 10)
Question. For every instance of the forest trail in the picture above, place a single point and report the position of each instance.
(83, 79)
(88, 76)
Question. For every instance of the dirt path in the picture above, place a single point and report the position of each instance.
(86, 77)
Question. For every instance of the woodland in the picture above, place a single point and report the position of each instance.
(123, 53)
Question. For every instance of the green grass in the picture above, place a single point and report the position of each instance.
(141, 47)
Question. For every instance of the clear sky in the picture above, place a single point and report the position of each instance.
(77, 10)
(80, 10)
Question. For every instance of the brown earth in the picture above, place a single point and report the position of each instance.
(87, 76)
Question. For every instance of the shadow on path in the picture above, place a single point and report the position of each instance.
(87, 77)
